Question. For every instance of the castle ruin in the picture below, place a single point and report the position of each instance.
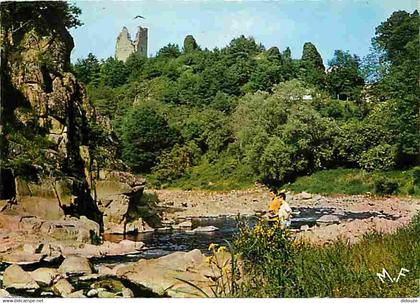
(125, 46)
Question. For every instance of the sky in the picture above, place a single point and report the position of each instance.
(330, 25)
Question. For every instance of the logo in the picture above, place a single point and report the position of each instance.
(382, 276)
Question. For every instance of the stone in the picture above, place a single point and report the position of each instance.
(304, 196)
(31, 248)
(15, 277)
(106, 294)
(304, 228)
(138, 226)
(161, 275)
(4, 294)
(119, 193)
(74, 265)
(185, 224)
(328, 219)
(90, 277)
(205, 229)
(105, 271)
(62, 288)
(92, 293)
(22, 258)
(127, 293)
(131, 245)
(75, 294)
(44, 276)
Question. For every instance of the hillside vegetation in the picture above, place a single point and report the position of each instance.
(224, 118)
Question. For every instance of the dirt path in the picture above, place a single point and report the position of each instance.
(180, 205)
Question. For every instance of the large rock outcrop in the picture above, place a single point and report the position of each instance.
(118, 196)
(45, 132)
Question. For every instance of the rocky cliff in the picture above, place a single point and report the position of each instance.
(45, 118)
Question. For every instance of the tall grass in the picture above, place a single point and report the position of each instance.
(276, 266)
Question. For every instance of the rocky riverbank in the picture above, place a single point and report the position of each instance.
(162, 277)
(369, 213)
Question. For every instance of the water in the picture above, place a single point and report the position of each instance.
(161, 243)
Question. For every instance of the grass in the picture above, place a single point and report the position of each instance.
(356, 181)
(223, 175)
(335, 270)
(228, 174)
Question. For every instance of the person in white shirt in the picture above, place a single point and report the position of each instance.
(284, 211)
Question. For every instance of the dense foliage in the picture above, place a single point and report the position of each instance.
(245, 110)
(276, 266)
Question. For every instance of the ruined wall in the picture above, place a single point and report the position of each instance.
(125, 46)
(141, 41)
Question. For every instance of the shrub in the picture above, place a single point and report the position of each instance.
(385, 186)
(380, 157)
(172, 164)
(268, 259)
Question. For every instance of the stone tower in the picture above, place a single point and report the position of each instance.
(125, 46)
(140, 43)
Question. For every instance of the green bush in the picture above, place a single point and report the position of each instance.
(276, 266)
(380, 157)
(268, 258)
(385, 186)
(172, 164)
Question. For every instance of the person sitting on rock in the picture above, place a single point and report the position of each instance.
(279, 209)
(284, 211)
(273, 210)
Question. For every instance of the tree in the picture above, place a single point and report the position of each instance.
(145, 135)
(113, 73)
(38, 15)
(311, 56)
(398, 41)
(311, 67)
(344, 80)
(87, 70)
(169, 51)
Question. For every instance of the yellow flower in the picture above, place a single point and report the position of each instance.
(209, 259)
(212, 246)
(221, 249)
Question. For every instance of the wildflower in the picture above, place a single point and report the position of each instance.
(212, 246)
(209, 259)
(221, 249)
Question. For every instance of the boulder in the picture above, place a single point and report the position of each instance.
(162, 275)
(62, 288)
(304, 227)
(91, 277)
(138, 226)
(22, 258)
(106, 294)
(133, 246)
(328, 219)
(127, 293)
(76, 294)
(205, 229)
(92, 292)
(185, 224)
(15, 277)
(74, 265)
(44, 276)
(303, 196)
(4, 294)
(31, 248)
(105, 271)
(117, 194)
